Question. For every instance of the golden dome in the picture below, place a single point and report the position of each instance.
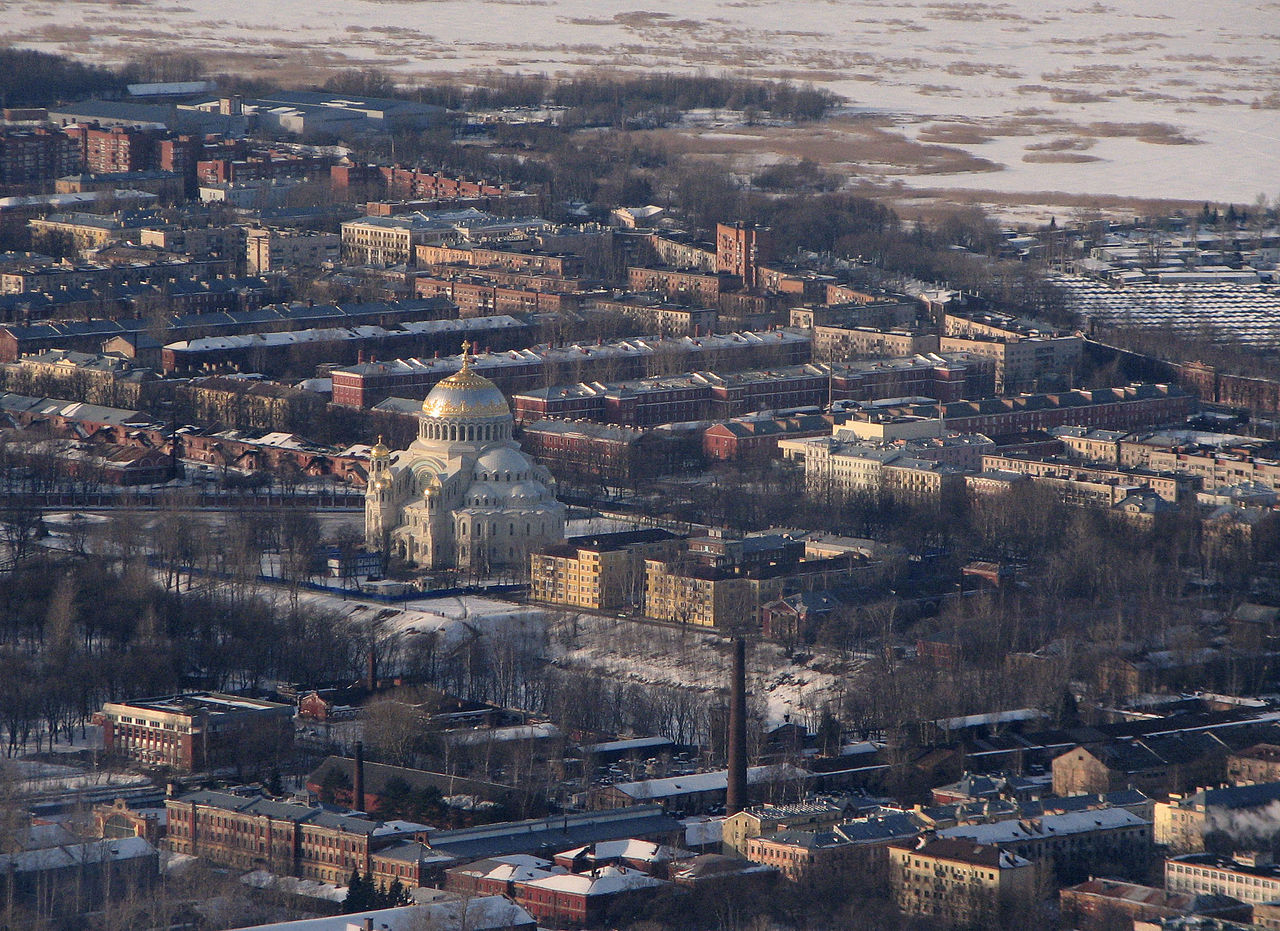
(466, 394)
(379, 450)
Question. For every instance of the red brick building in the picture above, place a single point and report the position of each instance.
(36, 156)
(740, 249)
(293, 840)
(200, 730)
(116, 149)
(583, 899)
(753, 439)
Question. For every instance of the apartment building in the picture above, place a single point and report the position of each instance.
(688, 592)
(393, 240)
(478, 296)
(84, 231)
(659, 316)
(1249, 877)
(1181, 822)
(1024, 363)
(703, 596)
(1172, 487)
(269, 250)
(925, 468)
(741, 248)
(957, 880)
(855, 850)
(603, 572)
(766, 820)
(515, 257)
(1072, 841)
(843, 343)
(37, 155)
(1128, 408)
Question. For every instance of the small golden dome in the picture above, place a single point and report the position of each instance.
(380, 450)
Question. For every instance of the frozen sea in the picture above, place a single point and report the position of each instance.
(1165, 100)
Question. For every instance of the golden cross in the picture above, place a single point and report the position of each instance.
(466, 354)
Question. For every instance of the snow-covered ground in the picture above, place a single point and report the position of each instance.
(625, 649)
(693, 658)
(1170, 100)
(29, 777)
(453, 619)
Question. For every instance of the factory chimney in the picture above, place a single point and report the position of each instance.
(736, 797)
(357, 800)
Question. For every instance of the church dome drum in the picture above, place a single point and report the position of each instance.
(465, 407)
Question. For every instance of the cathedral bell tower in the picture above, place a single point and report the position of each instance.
(378, 505)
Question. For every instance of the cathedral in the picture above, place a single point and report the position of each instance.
(462, 495)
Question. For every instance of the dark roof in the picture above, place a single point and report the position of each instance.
(621, 539)
(1231, 797)
(377, 775)
(963, 851)
(560, 832)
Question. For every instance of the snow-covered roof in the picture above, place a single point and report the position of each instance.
(482, 914)
(608, 880)
(706, 782)
(701, 831)
(1075, 822)
(627, 849)
(70, 855)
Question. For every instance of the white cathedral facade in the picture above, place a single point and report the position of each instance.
(462, 495)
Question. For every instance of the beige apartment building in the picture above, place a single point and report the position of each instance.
(766, 820)
(704, 596)
(1087, 482)
(1181, 822)
(1023, 362)
(1092, 444)
(268, 250)
(962, 882)
(843, 343)
(602, 572)
(1249, 877)
(392, 240)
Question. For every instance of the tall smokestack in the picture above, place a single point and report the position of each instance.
(358, 795)
(736, 797)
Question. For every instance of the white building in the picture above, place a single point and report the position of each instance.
(462, 495)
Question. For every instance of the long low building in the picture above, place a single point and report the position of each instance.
(1251, 878)
(1127, 408)
(560, 832)
(698, 791)
(369, 382)
(254, 832)
(1074, 841)
(710, 395)
(301, 350)
(17, 340)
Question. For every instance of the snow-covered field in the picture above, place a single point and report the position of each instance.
(1123, 97)
(626, 650)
